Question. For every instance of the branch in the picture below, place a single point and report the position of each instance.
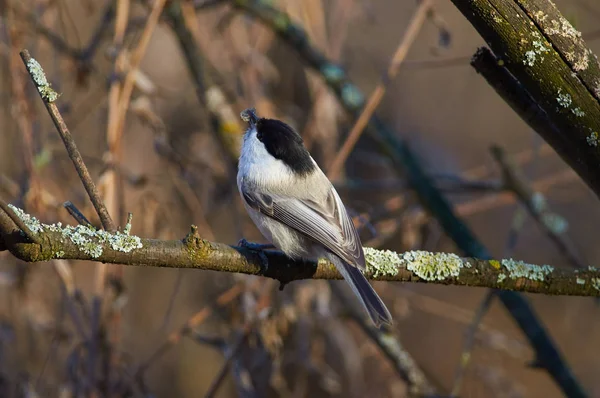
(49, 96)
(386, 338)
(512, 92)
(548, 57)
(408, 39)
(86, 243)
(552, 224)
(228, 139)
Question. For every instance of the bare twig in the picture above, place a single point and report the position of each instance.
(484, 306)
(404, 364)
(76, 214)
(231, 352)
(408, 39)
(229, 141)
(134, 62)
(465, 357)
(195, 320)
(48, 96)
(536, 207)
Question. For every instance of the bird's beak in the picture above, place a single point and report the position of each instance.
(249, 116)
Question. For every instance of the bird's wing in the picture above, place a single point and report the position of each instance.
(326, 223)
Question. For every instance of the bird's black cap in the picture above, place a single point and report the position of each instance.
(285, 144)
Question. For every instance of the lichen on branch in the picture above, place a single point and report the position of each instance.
(81, 242)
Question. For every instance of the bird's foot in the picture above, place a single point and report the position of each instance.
(258, 248)
(255, 246)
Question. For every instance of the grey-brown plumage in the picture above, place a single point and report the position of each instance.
(296, 208)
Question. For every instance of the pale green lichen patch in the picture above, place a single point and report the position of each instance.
(596, 283)
(580, 281)
(381, 262)
(578, 112)
(520, 269)
(281, 22)
(433, 266)
(42, 84)
(30, 221)
(529, 58)
(564, 99)
(538, 51)
(501, 277)
(592, 139)
(87, 239)
(592, 268)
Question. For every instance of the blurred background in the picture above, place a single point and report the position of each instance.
(153, 105)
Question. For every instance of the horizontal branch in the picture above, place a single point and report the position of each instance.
(86, 243)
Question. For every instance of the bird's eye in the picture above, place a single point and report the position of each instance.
(259, 135)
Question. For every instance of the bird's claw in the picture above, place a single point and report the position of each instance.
(254, 246)
(258, 248)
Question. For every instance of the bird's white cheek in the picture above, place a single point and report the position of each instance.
(258, 165)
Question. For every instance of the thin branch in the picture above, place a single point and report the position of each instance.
(116, 132)
(76, 214)
(49, 96)
(404, 364)
(229, 143)
(195, 320)
(408, 39)
(230, 354)
(231, 351)
(465, 356)
(552, 225)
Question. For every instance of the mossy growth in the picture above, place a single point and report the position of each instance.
(381, 262)
(88, 240)
(434, 266)
(42, 84)
(520, 269)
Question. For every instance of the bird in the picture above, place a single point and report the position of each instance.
(296, 208)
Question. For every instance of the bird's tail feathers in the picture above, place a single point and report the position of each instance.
(364, 291)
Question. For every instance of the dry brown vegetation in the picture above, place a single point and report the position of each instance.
(152, 90)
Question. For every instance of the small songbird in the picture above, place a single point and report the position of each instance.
(296, 208)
